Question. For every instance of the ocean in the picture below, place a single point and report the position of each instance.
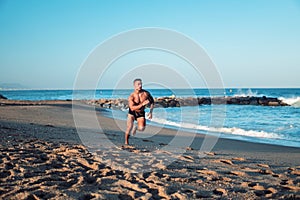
(259, 124)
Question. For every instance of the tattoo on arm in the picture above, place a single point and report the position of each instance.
(150, 98)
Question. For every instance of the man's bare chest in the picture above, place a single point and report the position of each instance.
(138, 98)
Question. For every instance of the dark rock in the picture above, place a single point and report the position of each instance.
(174, 103)
(205, 101)
(253, 101)
(263, 101)
(244, 100)
(273, 103)
(2, 97)
(190, 102)
(218, 100)
(106, 105)
(233, 101)
(161, 103)
(272, 99)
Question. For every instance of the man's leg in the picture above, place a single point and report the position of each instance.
(130, 122)
(141, 123)
(134, 130)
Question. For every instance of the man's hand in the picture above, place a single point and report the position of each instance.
(149, 115)
(146, 102)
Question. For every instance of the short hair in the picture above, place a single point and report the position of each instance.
(137, 79)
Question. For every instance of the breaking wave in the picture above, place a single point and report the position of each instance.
(295, 102)
(232, 131)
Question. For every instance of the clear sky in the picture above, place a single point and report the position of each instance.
(254, 43)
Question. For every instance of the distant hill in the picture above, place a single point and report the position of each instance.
(5, 86)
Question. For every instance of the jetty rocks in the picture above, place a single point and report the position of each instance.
(2, 97)
(172, 101)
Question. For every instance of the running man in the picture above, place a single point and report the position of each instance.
(137, 101)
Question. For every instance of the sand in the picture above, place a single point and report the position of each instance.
(43, 157)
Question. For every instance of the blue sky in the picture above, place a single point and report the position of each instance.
(253, 43)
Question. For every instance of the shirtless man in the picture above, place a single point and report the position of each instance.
(137, 101)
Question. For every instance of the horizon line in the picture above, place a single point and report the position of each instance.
(14, 89)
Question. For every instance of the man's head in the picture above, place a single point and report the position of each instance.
(137, 83)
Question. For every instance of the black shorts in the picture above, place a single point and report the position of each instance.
(137, 114)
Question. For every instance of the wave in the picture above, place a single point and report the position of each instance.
(248, 93)
(232, 131)
(295, 102)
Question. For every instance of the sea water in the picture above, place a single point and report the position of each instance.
(260, 124)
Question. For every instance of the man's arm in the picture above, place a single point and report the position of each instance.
(151, 108)
(151, 100)
(136, 107)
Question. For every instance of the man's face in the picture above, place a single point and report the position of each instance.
(138, 85)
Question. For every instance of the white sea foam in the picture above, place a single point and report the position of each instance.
(292, 101)
(241, 93)
(233, 131)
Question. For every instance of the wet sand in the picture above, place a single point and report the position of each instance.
(44, 157)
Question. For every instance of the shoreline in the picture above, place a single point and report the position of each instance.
(42, 141)
(68, 103)
(119, 104)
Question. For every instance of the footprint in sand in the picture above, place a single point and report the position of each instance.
(228, 162)
(237, 173)
(291, 187)
(186, 158)
(294, 171)
(239, 159)
(270, 192)
(266, 172)
(258, 187)
(210, 153)
(220, 191)
(208, 172)
(263, 165)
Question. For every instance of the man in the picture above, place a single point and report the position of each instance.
(137, 101)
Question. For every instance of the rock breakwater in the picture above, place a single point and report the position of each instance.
(193, 101)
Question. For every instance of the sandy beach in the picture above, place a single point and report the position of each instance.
(43, 157)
